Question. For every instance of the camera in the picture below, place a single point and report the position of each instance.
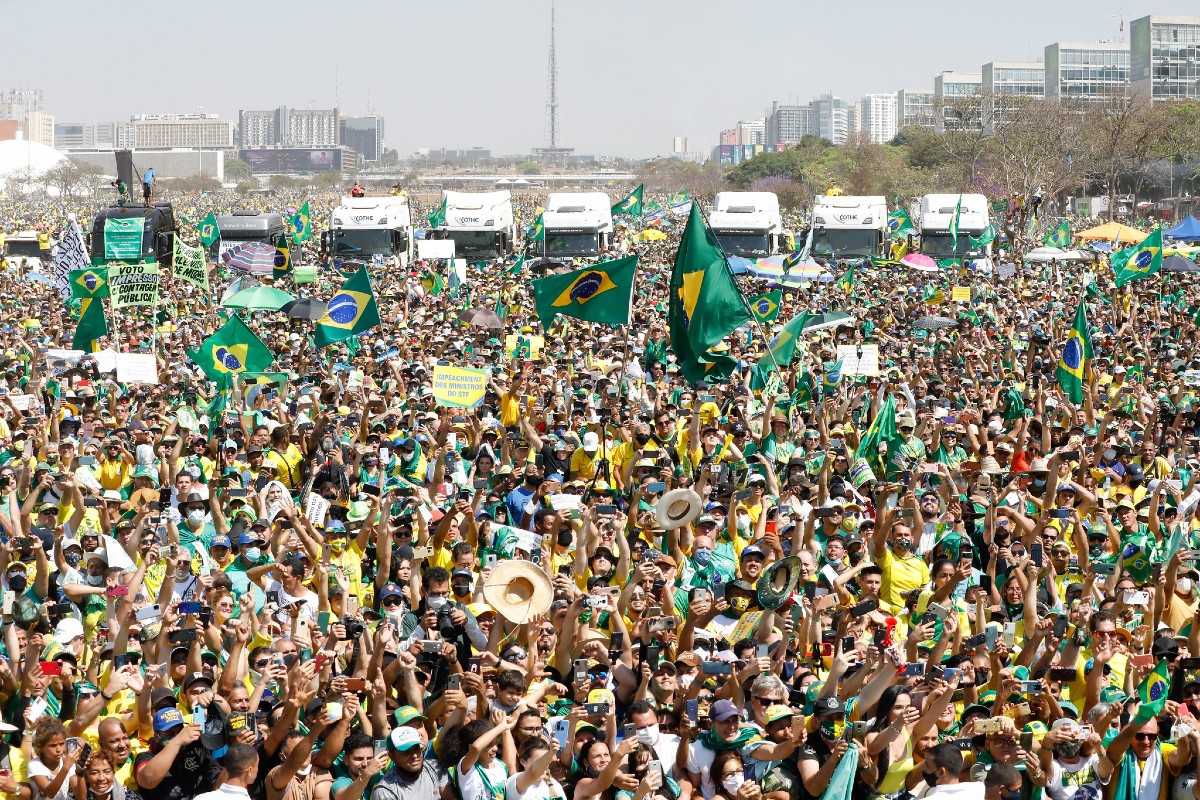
(445, 625)
(354, 627)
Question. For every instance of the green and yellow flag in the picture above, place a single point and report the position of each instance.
(208, 230)
(766, 306)
(91, 282)
(900, 223)
(350, 312)
(229, 352)
(846, 282)
(302, 224)
(537, 231)
(438, 218)
(1060, 236)
(92, 325)
(1152, 693)
(603, 293)
(1140, 261)
(986, 237)
(631, 205)
(1076, 360)
(783, 346)
(283, 259)
(881, 432)
(705, 305)
(954, 224)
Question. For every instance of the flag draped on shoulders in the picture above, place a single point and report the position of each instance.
(602, 293)
(705, 305)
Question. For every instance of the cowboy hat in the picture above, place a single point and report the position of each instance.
(778, 582)
(518, 590)
(677, 508)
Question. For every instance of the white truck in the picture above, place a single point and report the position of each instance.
(578, 225)
(480, 223)
(748, 224)
(371, 230)
(848, 227)
(23, 246)
(935, 214)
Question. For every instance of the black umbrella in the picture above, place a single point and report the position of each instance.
(548, 265)
(1178, 263)
(482, 318)
(931, 322)
(309, 308)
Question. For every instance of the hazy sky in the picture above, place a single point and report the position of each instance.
(632, 74)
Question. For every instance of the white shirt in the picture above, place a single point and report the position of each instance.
(963, 790)
(225, 791)
(545, 789)
(700, 761)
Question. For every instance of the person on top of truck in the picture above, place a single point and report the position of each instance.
(357, 190)
(147, 185)
(833, 190)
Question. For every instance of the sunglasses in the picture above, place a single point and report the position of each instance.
(1146, 737)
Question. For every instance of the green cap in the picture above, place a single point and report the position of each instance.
(406, 714)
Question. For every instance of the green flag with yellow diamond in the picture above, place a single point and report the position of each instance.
(91, 282)
(766, 306)
(1140, 261)
(603, 293)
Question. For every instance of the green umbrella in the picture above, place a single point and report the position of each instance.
(262, 298)
(832, 319)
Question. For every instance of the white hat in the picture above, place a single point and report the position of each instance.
(677, 508)
(68, 629)
(591, 442)
(518, 590)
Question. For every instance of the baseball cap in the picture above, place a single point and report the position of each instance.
(406, 714)
(196, 677)
(390, 590)
(403, 739)
(777, 712)
(828, 706)
(166, 719)
(723, 710)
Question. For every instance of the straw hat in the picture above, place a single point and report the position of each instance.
(518, 590)
(677, 508)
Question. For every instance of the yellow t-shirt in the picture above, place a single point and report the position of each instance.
(114, 474)
(510, 409)
(20, 771)
(289, 465)
(350, 560)
(901, 576)
(584, 465)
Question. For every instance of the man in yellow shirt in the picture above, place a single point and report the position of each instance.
(902, 569)
(286, 456)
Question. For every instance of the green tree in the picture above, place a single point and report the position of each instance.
(237, 170)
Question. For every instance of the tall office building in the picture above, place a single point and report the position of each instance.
(752, 132)
(878, 117)
(1082, 73)
(364, 135)
(289, 127)
(949, 87)
(39, 127)
(832, 118)
(74, 135)
(914, 107)
(113, 135)
(787, 125)
(1165, 58)
(1005, 85)
(157, 131)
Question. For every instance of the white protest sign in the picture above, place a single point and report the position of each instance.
(565, 502)
(859, 359)
(1006, 270)
(316, 508)
(23, 402)
(106, 359)
(435, 248)
(137, 368)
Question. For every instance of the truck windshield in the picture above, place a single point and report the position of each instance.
(744, 244)
(572, 244)
(938, 244)
(252, 236)
(475, 243)
(362, 242)
(27, 248)
(842, 242)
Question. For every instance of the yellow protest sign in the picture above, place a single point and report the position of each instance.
(459, 387)
(961, 294)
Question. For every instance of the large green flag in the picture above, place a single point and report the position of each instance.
(603, 293)
(92, 324)
(438, 218)
(766, 306)
(1076, 360)
(631, 205)
(283, 259)
(1152, 693)
(229, 352)
(783, 346)
(208, 230)
(881, 432)
(705, 305)
(900, 223)
(123, 238)
(954, 224)
(1140, 261)
(301, 224)
(350, 312)
(986, 237)
(1059, 236)
(90, 282)
(537, 231)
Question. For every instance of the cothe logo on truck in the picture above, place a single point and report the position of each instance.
(360, 218)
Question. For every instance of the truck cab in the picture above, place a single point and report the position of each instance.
(247, 226)
(936, 212)
(23, 245)
(578, 225)
(158, 234)
(371, 230)
(748, 224)
(480, 223)
(847, 227)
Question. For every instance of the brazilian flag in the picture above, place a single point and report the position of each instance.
(208, 230)
(90, 282)
(1076, 360)
(1152, 693)
(900, 223)
(283, 259)
(302, 224)
(350, 312)
(537, 231)
(438, 218)
(1140, 261)
(603, 293)
(231, 351)
(766, 306)
(631, 205)
(92, 325)
(1060, 236)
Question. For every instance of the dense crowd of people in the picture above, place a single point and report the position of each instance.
(603, 580)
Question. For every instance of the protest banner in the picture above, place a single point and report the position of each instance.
(961, 294)
(459, 387)
(136, 368)
(435, 248)
(133, 284)
(859, 359)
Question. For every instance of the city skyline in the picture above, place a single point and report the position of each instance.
(629, 80)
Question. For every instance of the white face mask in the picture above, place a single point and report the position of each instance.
(733, 784)
(95, 580)
(648, 735)
(195, 516)
(436, 603)
(252, 554)
(684, 682)
(1184, 585)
